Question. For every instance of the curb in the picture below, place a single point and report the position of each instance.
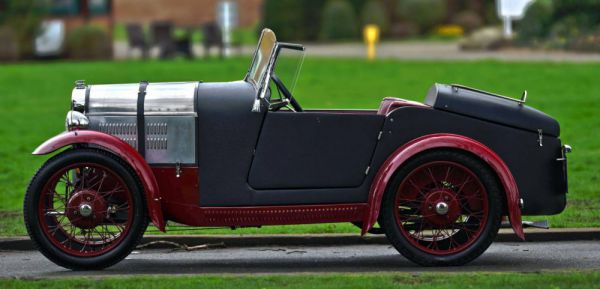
(505, 235)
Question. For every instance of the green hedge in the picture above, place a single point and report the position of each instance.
(534, 27)
(561, 24)
(374, 12)
(339, 21)
(285, 17)
(23, 20)
(568, 7)
(425, 13)
(89, 42)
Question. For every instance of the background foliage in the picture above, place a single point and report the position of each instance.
(569, 24)
(313, 20)
(19, 24)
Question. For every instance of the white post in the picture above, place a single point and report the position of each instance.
(507, 27)
(227, 28)
(509, 10)
(227, 19)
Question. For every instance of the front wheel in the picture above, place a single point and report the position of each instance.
(442, 208)
(84, 209)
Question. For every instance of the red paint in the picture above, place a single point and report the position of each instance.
(181, 199)
(402, 154)
(391, 103)
(182, 189)
(418, 196)
(121, 149)
(191, 214)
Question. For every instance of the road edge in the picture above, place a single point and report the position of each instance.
(505, 235)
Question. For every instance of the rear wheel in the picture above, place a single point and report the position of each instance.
(84, 209)
(442, 208)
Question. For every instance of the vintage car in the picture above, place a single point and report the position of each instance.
(437, 177)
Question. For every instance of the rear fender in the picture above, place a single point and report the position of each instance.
(124, 151)
(434, 141)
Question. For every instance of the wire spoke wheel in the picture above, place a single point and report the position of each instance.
(442, 207)
(85, 209)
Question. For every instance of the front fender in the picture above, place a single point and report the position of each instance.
(433, 141)
(124, 151)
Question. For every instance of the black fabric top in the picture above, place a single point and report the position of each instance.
(489, 107)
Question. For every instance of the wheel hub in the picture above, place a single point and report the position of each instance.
(441, 207)
(86, 209)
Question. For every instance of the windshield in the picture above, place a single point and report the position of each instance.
(288, 64)
(262, 56)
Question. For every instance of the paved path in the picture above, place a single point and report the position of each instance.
(446, 51)
(411, 50)
(521, 257)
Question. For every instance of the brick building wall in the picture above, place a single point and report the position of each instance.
(181, 12)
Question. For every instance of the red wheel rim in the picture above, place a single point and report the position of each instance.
(441, 207)
(85, 209)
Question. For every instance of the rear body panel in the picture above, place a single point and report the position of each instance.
(538, 174)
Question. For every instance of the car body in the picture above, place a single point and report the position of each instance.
(437, 176)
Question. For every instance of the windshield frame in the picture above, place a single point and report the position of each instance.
(255, 59)
(262, 85)
(291, 46)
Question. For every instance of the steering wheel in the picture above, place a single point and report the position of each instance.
(287, 98)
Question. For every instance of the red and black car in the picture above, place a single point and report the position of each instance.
(437, 176)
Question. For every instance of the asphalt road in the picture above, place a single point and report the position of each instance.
(519, 257)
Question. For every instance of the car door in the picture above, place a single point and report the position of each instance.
(314, 150)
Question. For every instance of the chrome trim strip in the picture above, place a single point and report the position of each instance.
(519, 101)
(147, 114)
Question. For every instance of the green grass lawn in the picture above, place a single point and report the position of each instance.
(34, 99)
(584, 279)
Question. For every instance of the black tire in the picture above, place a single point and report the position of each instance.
(61, 257)
(488, 233)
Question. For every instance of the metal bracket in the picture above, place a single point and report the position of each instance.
(178, 169)
(529, 224)
(539, 224)
(521, 203)
(564, 151)
(523, 97)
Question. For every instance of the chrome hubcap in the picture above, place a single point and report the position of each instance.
(85, 210)
(441, 208)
